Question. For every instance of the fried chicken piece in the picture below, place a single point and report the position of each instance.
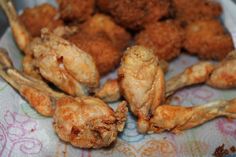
(224, 75)
(40, 16)
(195, 74)
(105, 55)
(165, 38)
(88, 122)
(58, 62)
(187, 11)
(109, 92)
(207, 39)
(101, 23)
(135, 14)
(76, 10)
(36, 92)
(30, 68)
(178, 118)
(142, 84)
(21, 35)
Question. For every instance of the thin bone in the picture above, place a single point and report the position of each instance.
(36, 92)
(196, 74)
(179, 118)
(20, 33)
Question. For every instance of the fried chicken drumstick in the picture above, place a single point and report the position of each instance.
(85, 122)
(178, 118)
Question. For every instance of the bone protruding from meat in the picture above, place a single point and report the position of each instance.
(178, 118)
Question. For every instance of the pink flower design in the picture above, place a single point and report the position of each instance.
(15, 134)
(203, 93)
(227, 127)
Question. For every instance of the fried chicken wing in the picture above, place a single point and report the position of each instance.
(224, 75)
(196, 9)
(207, 39)
(165, 38)
(88, 122)
(101, 23)
(142, 83)
(195, 74)
(40, 16)
(135, 14)
(104, 53)
(63, 64)
(36, 92)
(178, 118)
(85, 122)
(76, 10)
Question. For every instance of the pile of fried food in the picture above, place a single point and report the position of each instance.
(73, 46)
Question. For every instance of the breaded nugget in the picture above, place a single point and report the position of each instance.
(105, 55)
(164, 38)
(101, 23)
(207, 39)
(187, 10)
(41, 16)
(133, 14)
(76, 10)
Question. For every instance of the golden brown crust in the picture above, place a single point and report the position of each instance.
(164, 38)
(186, 10)
(105, 55)
(224, 75)
(39, 17)
(207, 39)
(141, 82)
(101, 23)
(109, 92)
(77, 10)
(134, 14)
(88, 122)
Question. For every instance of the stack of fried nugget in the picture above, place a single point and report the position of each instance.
(106, 27)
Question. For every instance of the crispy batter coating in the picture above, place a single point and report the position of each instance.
(134, 14)
(78, 10)
(224, 75)
(39, 17)
(195, 74)
(101, 23)
(178, 118)
(88, 122)
(207, 39)
(64, 64)
(105, 55)
(196, 9)
(141, 81)
(85, 122)
(165, 38)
